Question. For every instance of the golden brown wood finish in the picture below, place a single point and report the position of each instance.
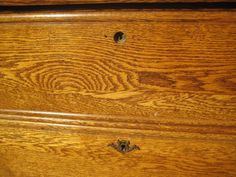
(63, 2)
(68, 90)
(182, 69)
(27, 152)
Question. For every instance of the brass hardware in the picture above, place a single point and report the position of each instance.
(123, 146)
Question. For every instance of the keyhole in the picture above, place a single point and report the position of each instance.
(119, 37)
(122, 147)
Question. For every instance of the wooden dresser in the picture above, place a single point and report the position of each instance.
(117, 88)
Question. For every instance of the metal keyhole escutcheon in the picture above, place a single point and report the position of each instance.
(123, 146)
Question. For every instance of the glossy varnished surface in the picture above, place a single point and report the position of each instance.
(183, 69)
(63, 2)
(68, 90)
(59, 153)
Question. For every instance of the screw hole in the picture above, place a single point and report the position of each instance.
(119, 37)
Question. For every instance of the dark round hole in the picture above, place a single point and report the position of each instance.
(119, 37)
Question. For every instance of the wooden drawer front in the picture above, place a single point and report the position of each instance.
(67, 90)
(33, 153)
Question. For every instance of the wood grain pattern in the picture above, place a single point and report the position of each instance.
(167, 69)
(33, 153)
(67, 90)
(63, 2)
(117, 16)
(118, 125)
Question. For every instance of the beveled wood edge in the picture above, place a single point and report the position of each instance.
(112, 124)
(64, 2)
(146, 15)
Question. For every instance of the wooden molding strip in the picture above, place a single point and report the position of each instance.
(103, 123)
(63, 2)
(223, 16)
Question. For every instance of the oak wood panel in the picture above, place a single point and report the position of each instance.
(33, 153)
(181, 70)
(63, 2)
(132, 126)
(67, 90)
